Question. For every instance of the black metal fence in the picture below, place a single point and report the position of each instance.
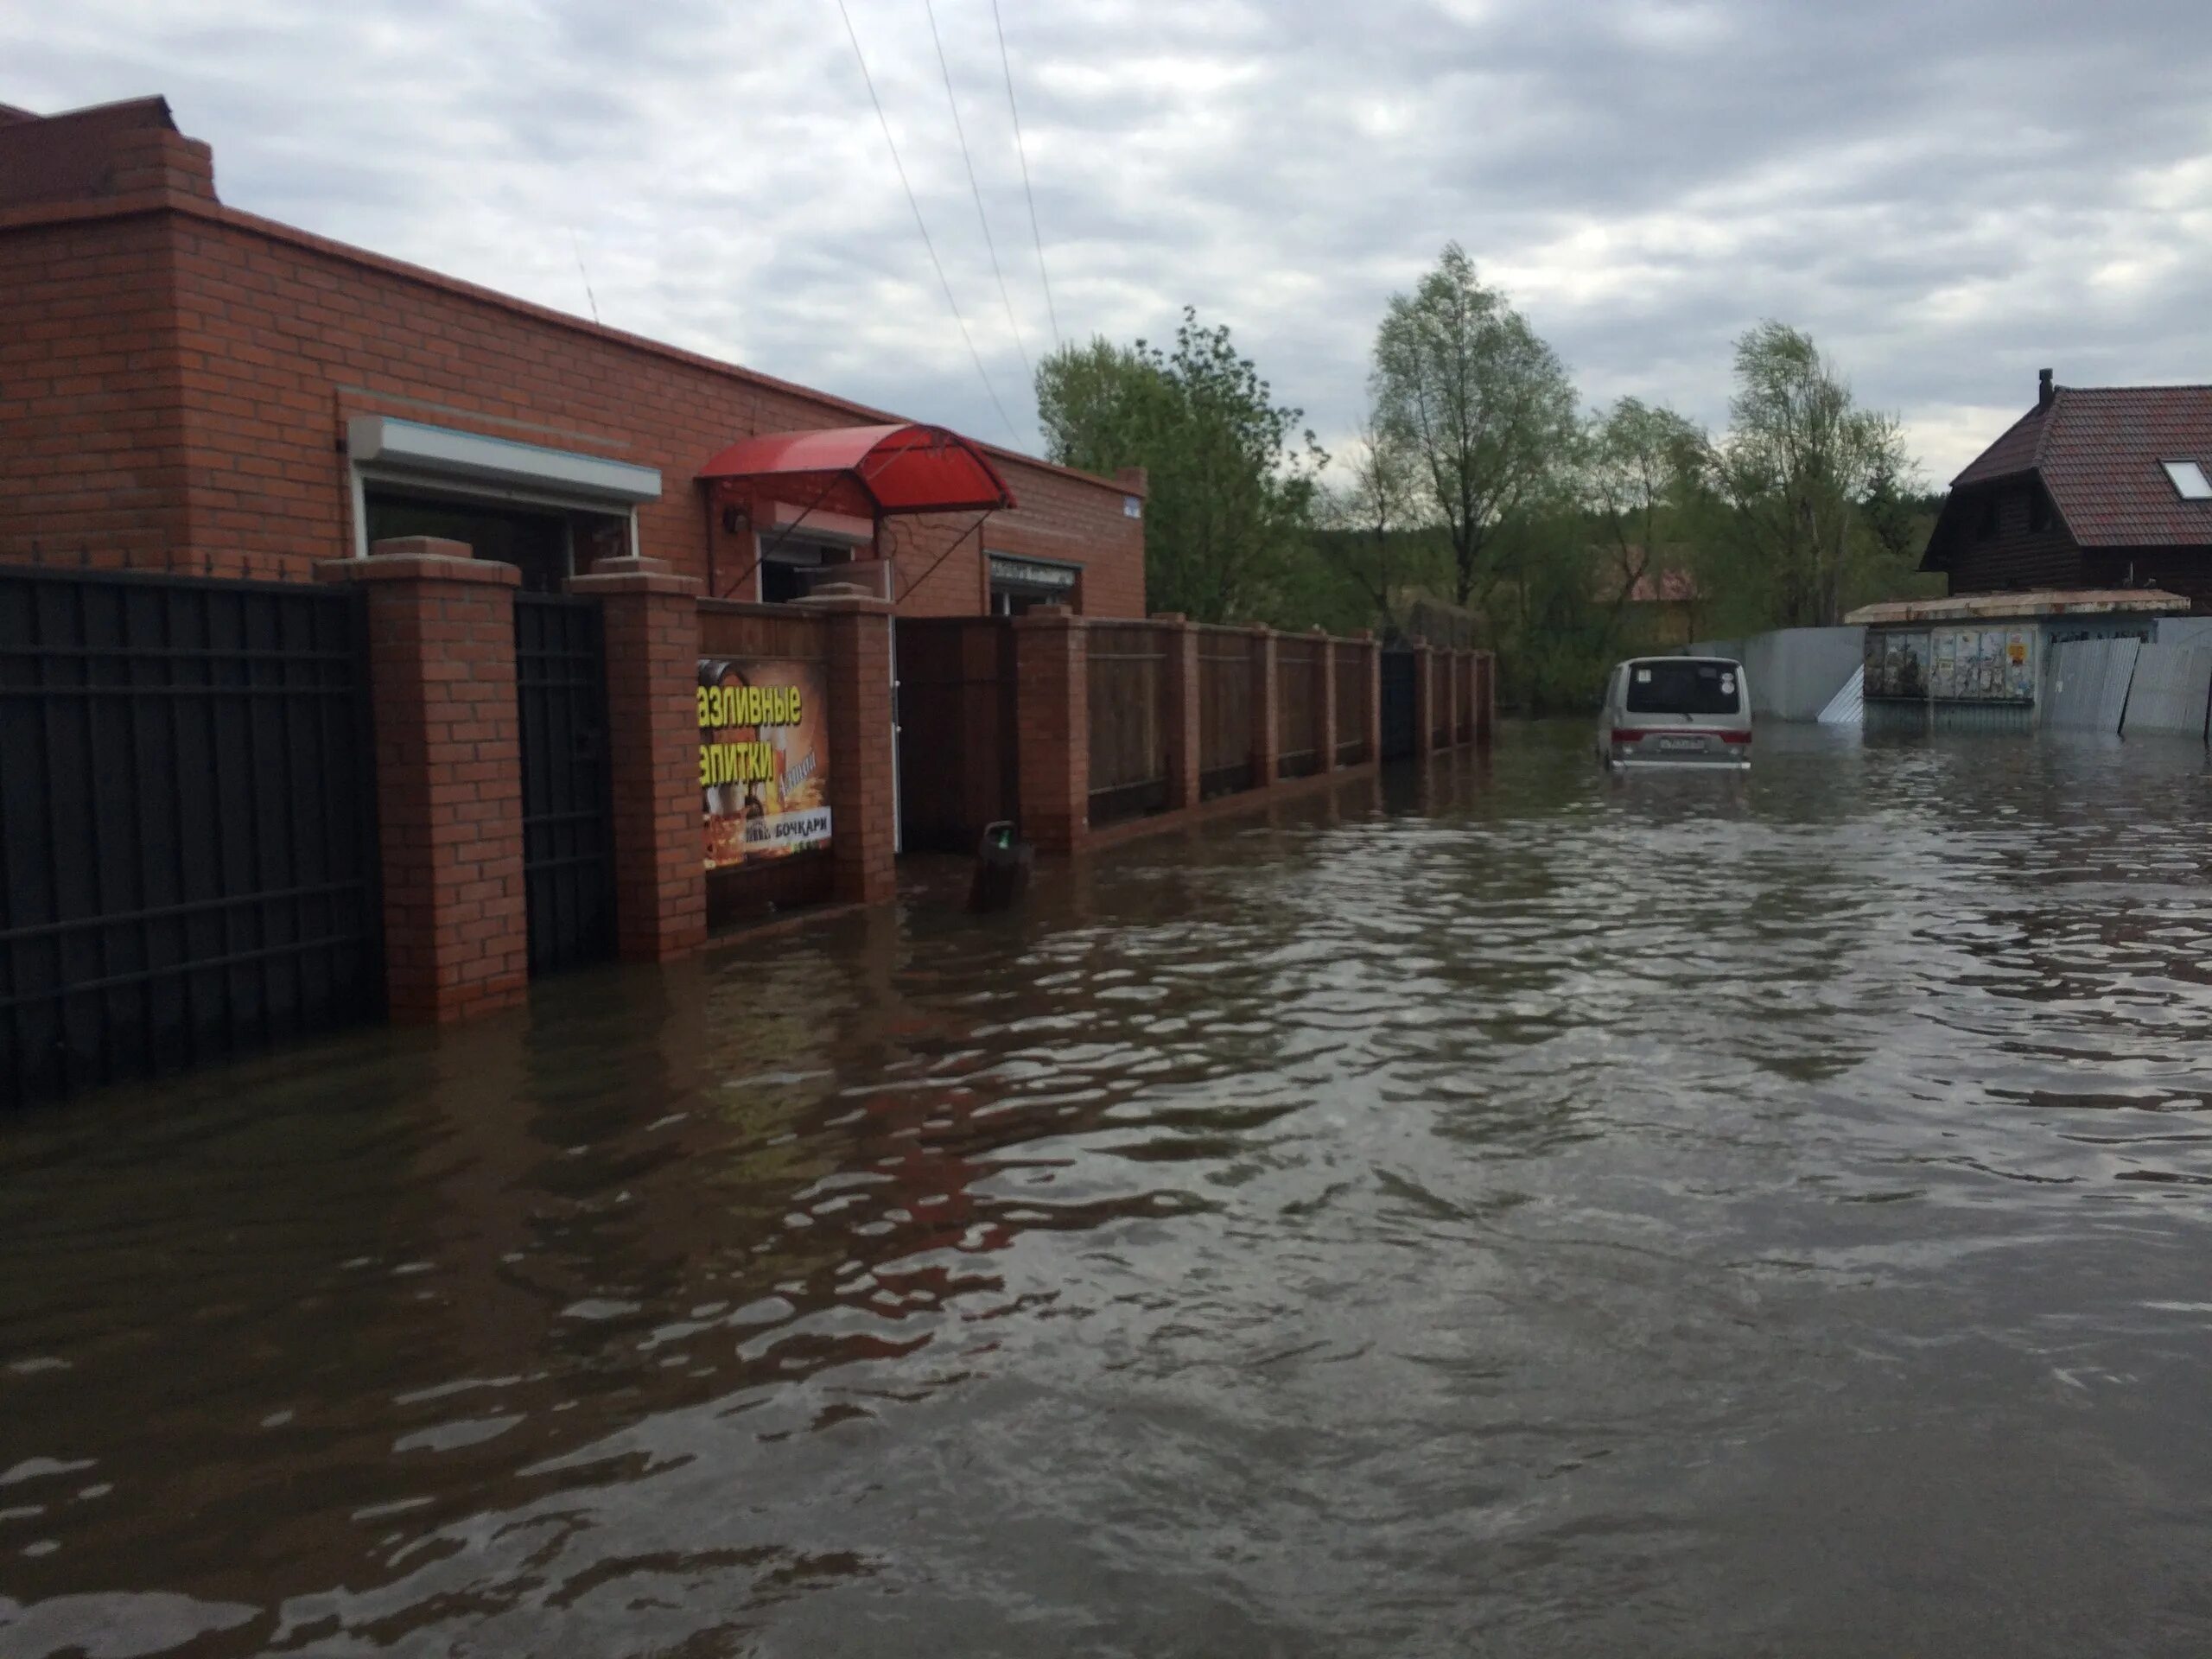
(566, 793)
(187, 823)
(1401, 721)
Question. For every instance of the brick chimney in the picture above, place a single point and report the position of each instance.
(110, 149)
(2044, 391)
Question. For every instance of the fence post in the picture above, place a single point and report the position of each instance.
(1326, 683)
(1452, 684)
(652, 621)
(1179, 706)
(1051, 709)
(1485, 697)
(441, 680)
(1267, 727)
(863, 782)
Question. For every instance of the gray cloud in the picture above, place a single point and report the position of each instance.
(1947, 196)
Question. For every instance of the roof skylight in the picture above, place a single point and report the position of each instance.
(2189, 478)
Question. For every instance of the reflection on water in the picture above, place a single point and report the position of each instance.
(1499, 1209)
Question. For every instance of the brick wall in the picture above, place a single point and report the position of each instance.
(93, 461)
(276, 338)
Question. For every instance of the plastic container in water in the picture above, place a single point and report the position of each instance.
(1002, 866)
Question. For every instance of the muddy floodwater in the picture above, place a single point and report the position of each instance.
(1495, 1210)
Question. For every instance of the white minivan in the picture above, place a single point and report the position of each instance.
(1676, 711)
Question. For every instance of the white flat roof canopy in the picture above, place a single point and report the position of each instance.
(429, 452)
(2036, 602)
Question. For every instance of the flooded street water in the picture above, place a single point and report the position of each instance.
(1510, 1211)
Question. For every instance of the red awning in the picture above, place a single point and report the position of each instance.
(872, 472)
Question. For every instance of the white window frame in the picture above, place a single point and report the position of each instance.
(2175, 470)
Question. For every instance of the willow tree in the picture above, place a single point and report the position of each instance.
(1481, 404)
(1798, 468)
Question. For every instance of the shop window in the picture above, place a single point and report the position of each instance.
(1018, 585)
(790, 567)
(547, 544)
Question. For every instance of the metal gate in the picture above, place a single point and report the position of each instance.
(187, 823)
(1401, 730)
(568, 836)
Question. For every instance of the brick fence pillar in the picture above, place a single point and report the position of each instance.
(1325, 689)
(1052, 670)
(652, 618)
(448, 750)
(1179, 706)
(1453, 687)
(1371, 698)
(1267, 725)
(863, 785)
(1485, 697)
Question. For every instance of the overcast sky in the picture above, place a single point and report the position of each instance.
(1948, 195)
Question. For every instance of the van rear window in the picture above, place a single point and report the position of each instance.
(1686, 687)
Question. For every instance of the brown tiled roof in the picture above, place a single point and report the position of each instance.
(2098, 449)
(1668, 584)
(2013, 453)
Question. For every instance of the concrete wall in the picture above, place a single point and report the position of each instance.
(1795, 672)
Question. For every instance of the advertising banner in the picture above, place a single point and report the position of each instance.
(1982, 664)
(1897, 664)
(764, 759)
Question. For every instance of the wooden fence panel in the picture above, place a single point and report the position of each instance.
(1225, 689)
(1352, 692)
(1128, 757)
(1298, 690)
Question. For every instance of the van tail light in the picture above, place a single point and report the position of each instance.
(1628, 735)
(1743, 738)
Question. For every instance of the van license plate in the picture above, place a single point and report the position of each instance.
(1681, 743)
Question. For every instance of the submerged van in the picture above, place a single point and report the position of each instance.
(1676, 711)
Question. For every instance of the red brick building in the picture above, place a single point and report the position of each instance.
(2095, 487)
(186, 387)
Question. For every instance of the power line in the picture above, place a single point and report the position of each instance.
(1007, 64)
(976, 190)
(899, 166)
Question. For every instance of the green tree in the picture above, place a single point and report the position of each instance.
(1484, 408)
(1232, 475)
(1642, 462)
(1798, 468)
